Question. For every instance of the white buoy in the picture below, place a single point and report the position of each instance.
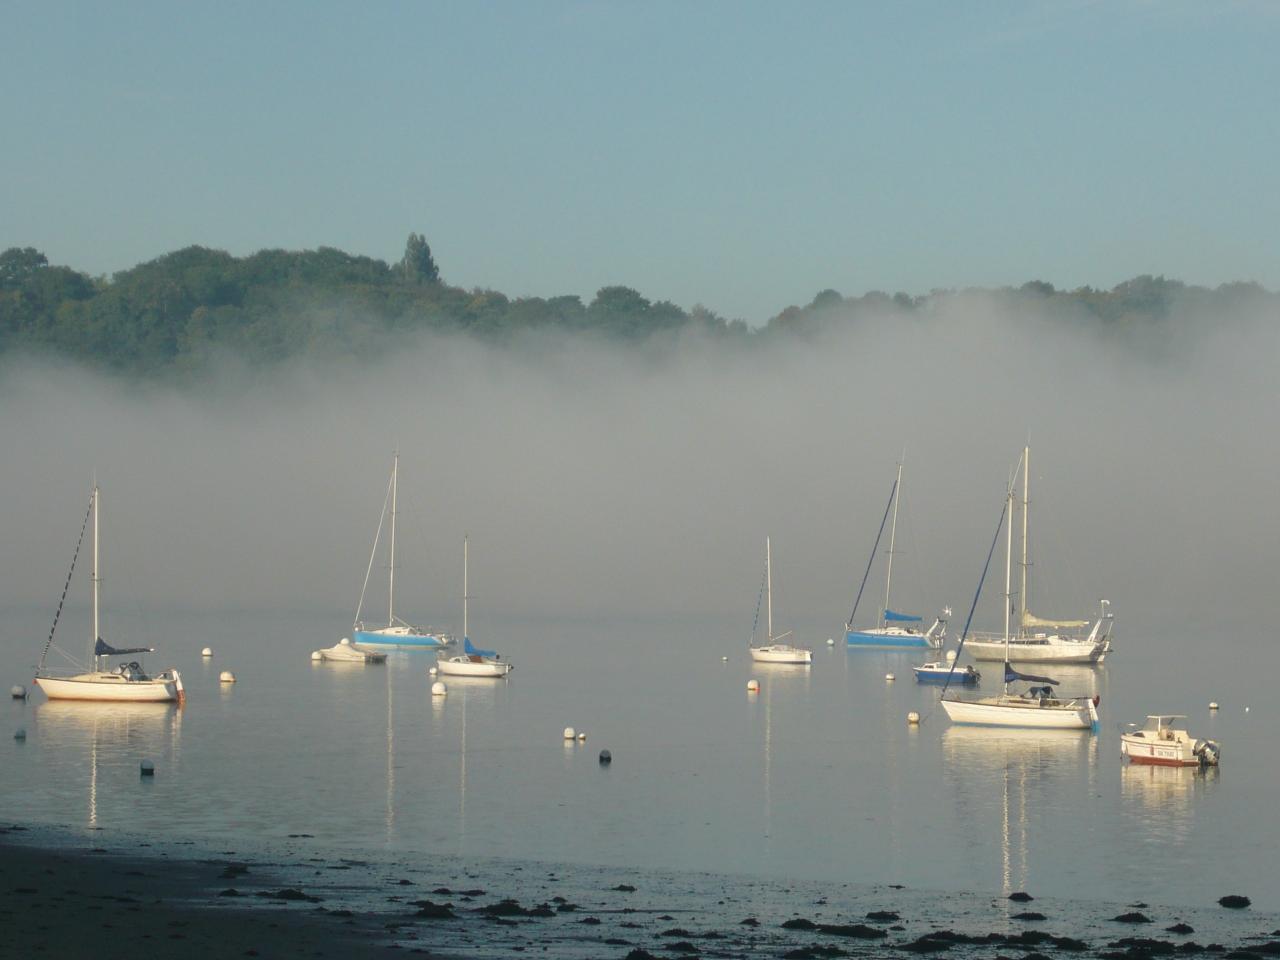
(1213, 705)
(570, 733)
(226, 676)
(317, 655)
(207, 652)
(18, 692)
(831, 641)
(345, 641)
(438, 689)
(582, 737)
(432, 671)
(913, 718)
(890, 676)
(753, 686)
(951, 656)
(20, 734)
(724, 659)
(1246, 709)
(147, 769)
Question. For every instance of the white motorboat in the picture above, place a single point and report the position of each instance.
(1039, 639)
(126, 680)
(472, 661)
(942, 671)
(1163, 742)
(397, 634)
(344, 651)
(1039, 707)
(775, 649)
(893, 628)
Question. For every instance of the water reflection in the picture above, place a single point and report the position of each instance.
(1167, 794)
(1022, 774)
(108, 737)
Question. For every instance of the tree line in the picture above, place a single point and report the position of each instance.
(178, 311)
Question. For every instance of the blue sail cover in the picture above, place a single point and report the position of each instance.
(1010, 675)
(901, 617)
(101, 649)
(475, 651)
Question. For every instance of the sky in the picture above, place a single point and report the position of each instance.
(739, 155)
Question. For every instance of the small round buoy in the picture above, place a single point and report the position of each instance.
(951, 656)
(753, 686)
(317, 655)
(606, 758)
(1246, 709)
(147, 769)
(207, 652)
(724, 659)
(831, 641)
(226, 676)
(20, 734)
(345, 641)
(570, 733)
(913, 718)
(18, 692)
(890, 676)
(432, 671)
(582, 738)
(438, 689)
(1213, 705)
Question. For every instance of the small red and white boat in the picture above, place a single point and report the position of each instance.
(1161, 741)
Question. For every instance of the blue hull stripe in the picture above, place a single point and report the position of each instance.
(381, 640)
(856, 639)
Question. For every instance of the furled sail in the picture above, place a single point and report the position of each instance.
(101, 649)
(1031, 620)
(476, 651)
(901, 617)
(1010, 675)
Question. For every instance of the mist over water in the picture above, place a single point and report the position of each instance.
(608, 481)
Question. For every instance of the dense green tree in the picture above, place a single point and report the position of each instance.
(418, 265)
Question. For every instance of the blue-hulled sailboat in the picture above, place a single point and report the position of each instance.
(893, 629)
(398, 633)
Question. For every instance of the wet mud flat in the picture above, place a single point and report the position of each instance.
(68, 895)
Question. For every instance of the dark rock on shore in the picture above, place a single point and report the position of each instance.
(815, 952)
(625, 888)
(883, 915)
(1233, 901)
(1181, 928)
(288, 893)
(1131, 918)
(434, 911)
(1028, 915)
(1021, 897)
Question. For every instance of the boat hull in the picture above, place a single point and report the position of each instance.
(464, 667)
(111, 688)
(888, 637)
(959, 675)
(1037, 651)
(1013, 712)
(1159, 753)
(779, 653)
(400, 640)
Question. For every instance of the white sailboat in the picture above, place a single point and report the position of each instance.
(776, 649)
(893, 629)
(398, 633)
(1041, 640)
(1038, 707)
(472, 662)
(127, 680)
(344, 651)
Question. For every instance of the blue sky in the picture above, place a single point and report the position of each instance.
(740, 155)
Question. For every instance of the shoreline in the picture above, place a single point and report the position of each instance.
(79, 899)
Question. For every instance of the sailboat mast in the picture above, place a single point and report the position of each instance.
(93, 641)
(768, 579)
(391, 580)
(1026, 499)
(1008, 577)
(465, 593)
(893, 536)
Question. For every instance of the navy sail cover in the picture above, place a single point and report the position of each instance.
(1010, 675)
(475, 651)
(101, 649)
(900, 617)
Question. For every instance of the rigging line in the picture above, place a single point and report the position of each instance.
(759, 597)
(372, 554)
(872, 559)
(63, 599)
(977, 593)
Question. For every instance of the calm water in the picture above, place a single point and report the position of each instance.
(818, 777)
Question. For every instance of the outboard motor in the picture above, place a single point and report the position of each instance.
(1208, 751)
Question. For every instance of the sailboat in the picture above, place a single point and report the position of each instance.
(893, 629)
(1041, 640)
(397, 633)
(1039, 706)
(127, 680)
(472, 662)
(775, 649)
